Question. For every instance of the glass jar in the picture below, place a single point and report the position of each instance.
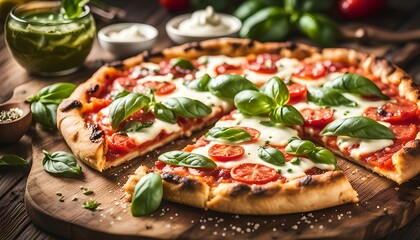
(45, 42)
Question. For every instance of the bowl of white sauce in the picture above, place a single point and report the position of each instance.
(127, 39)
(202, 25)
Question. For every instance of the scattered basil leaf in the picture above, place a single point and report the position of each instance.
(163, 113)
(182, 63)
(228, 85)
(73, 8)
(286, 115)
(329, 97)
(54, 93)
(87, 191)
(357, 127)
(187, 107)
(45, 114)
(199, 84)
(276, 89)
(299, 147)
(268, 123)
(318, 28)
(322, 155)
(92, 205)
(295, 161)
(187, 159)
(147, 195)
(13, 160)
(253, 103)
(134, 126)
(355, 83)
(62, 164)
(271, 155)
(123, 107)
(230, 134)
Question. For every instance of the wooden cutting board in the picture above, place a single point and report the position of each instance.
(384, 206)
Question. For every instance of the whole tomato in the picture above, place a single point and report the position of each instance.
(175, 5)
(359, 8)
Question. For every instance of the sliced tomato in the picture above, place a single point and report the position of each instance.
(264, 63)
(263, 57)
(226, 68)
(255, 134)
(161, 88)
(126, 82)
(333, 66)
(314, 171)
(317, 117)
(297, 92)
(391, 90)
(120, 144)
(400, 112)
(201, 142)
(382, 158)
(226, 152)
(166, 67)
(404, 132)
(311, 71)
(253, 173)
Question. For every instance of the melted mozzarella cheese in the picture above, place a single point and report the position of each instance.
(211, 62)
(258, 78)
(316, 82)
(150, 133)
(365, 145)
(362, 104)
(286, 67)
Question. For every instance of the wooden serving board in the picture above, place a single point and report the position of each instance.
(365, 220)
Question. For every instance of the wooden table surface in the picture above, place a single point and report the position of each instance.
(14, 221)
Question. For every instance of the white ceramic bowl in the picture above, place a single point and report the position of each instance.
(181, 37)
(127, 47)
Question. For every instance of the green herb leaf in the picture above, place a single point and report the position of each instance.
(286, 115)
(87, 191)
(308, 5)
(123, 107)
(92, 205)
(299, 147)
(247, 9)
(357, 127)
(187, 107)
(13, 160)
(147, 195)
(163, 113)
(322, 155)
(54, 93)
(228, 85)
(295, 161)
(62, 164)
(121, 94)
(187, 159)
(134, 126)
(253, 103)
(276, 89)
(318, 28)
(45, 114)
(271, 155)
(182, 63)
(329, 97)
(230, 134)
(73, 8)
(199, 84)
(355, 83)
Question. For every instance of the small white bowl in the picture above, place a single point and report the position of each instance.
(180, 37)
(127, 47)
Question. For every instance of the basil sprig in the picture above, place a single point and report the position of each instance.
(62, 164)
(228, 85)
(123, 107)
(134, 126)
(187, 107)
(164, 114)
(300, 147)
(358, 127)
(355, 83)
(13, 160)
(187, 159)
(273, 100)
(44, 104)
(73, 8)
(230, 134)
(329, 97)
(147, 195)
(181, 63)
(199, 84)
(271, 155)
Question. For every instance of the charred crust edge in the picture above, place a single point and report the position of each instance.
(412, 148)
(116, 64)
(186, 183)
(147, 55)
(93, 89)
(96, 133)
(239, 189)
(193, 46)
(70, 104)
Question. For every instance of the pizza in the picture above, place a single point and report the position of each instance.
(356, 105)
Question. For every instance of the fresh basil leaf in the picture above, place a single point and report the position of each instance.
(147, 195)
(134, 126)
(329, 97)
(228, 85)
(253, 103)
(299, 147)
(187, 159)
(286, 115)
(91, 205)
(73, 8)
(355, 83)
(247, 9)
(187, 107)
(121, 94)
(123, 107)
(45, 114)
(230, 134)
(163, 113)
(13, 160)
(295, 161)
(276, 89)
(268, 123)
(182, 63)
(54, 93)
(199, 84)
(318, 28)
(308, 5)
(61, 164)
(322, 155)
(357, 127)
(271, 155)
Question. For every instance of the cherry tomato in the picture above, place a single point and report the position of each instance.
(317, 117)
(226, 68)
(225, 152)
(360, 8)
(255, 134)
(311, 71)
(296, 91)
(253, 173)
(175, 5)
(161, 88)
(399, 112)
(120, 144)
(404, 132)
